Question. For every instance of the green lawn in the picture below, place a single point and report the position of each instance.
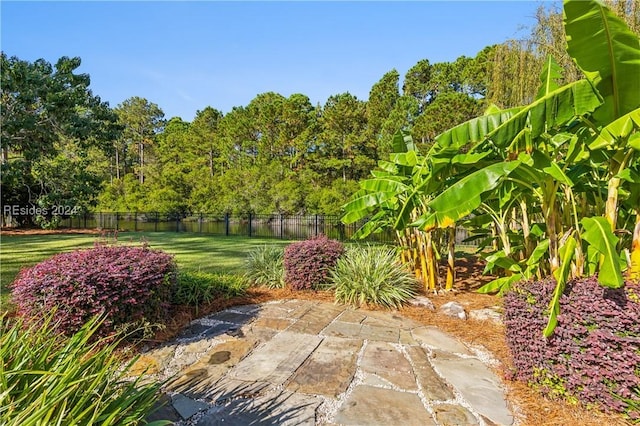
(193, 252)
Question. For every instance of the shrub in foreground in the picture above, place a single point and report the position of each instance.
(265, 267)
(125, 284)
(593, 355)
(197, 288)
(49, 379)
(307, 264)
(372, 275)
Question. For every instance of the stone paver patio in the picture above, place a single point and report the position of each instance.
(298, 362)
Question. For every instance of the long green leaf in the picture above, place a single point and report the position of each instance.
(360, 207)
(402, 142)
(499, 130)
(461, 198)
(551, 73)
(534, 260)
(474, 130)
(597, 232)
(617, 130)
(556, 172)
(607, 52)
(561, 275)
(500, 285)
(384, 184)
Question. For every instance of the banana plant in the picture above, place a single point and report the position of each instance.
(395, 197)
(552, 139)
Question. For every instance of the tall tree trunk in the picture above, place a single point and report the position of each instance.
(141, 150)
(117, 164)
(211, 162)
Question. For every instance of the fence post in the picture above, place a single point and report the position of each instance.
(316, 225)
(249, 225)
(117, 221)
(226, 224)
(155, 227)
(281, 226)
(135, 221)
(200, 224)
(177, 223)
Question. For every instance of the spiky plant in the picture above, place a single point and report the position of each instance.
(265, 266)
(372, 275)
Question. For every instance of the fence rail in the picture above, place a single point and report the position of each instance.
(276, 226)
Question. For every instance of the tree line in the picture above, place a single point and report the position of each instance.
(62, 145)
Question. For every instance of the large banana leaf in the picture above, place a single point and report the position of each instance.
(363, 203)
(497, 131)
(551, 73)
(501, 285)
(619, 129)
(402, 142)
(608, 53)
(474, 130)
(464, 196)
(597, 232)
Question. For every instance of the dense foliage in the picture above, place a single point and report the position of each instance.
(549, 188)
(125, 284)
(61, 146)
(308, 264)
(372, 275)
(55, 136)
(594, 354)
(265, 267)
(47, 378)
(197, 288)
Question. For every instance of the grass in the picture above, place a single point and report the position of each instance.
(193, 252)
(50, 379)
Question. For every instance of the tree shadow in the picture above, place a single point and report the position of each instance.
(256, 404)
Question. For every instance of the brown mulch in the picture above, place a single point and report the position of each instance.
(39, 231)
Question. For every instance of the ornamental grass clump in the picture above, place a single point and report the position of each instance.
(49, 379)
(198, 288)
(265, 267)
(593, 356)
(372, 275)
(307, 264)
(125, 284)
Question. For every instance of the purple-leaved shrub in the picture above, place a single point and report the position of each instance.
(594, 353)
(307, 263)
(126, 284)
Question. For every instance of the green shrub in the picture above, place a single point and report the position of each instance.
(46, 378)
(265, 267)
(372, 275)
(197, 288)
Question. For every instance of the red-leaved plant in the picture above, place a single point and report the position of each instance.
(594, 352)
(307, 263)
(126, 284)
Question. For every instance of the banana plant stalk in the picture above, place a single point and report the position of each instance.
(451, 265)
(634, 268)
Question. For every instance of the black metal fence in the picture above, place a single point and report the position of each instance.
(276, 226)
(286, 227)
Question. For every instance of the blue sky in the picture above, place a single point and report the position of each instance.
(185, 56)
